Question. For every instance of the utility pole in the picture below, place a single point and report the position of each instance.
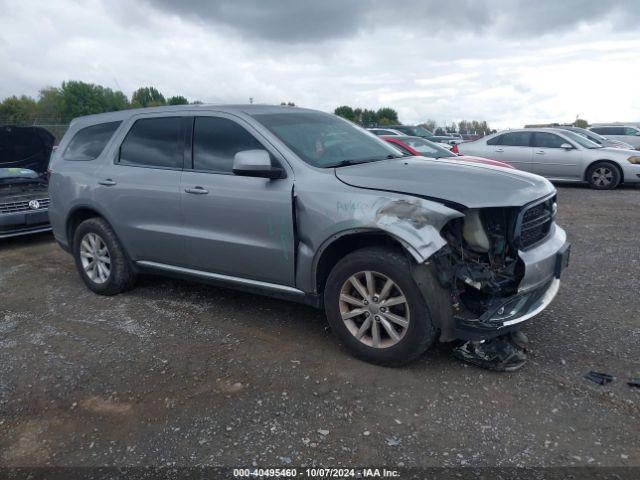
(251, 100)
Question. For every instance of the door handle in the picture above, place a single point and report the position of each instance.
(499, 150)
(196, 191)
(540, 152)
(107, 182)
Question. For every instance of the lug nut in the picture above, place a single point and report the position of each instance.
(375, 299)
(383, 309)
(366, 314)
(366, 302)
(377, 318)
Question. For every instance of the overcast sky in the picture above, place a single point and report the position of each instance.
(509, 62)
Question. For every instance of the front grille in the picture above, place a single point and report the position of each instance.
(23, 206)
(534, 223)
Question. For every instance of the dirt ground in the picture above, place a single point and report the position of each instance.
(176, 373)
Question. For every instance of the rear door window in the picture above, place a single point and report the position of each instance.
(88, 143)
(154, 142)
(630, 131)
(216, 141)
(516, 139)
(548, 140)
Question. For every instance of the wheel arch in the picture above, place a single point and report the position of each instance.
(78, 215)
(344, 243)
(613, 162)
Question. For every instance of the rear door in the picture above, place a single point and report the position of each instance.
(551, 160)
(140, 190)
(235, 225)
(513, 148)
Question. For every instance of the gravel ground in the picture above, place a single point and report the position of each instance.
(176, 373)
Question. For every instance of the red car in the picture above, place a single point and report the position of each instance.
(424, 148)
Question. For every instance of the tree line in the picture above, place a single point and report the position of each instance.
(59, 105)
(388, 116)
(368, 118)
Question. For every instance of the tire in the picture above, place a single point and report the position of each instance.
(382, 264)
(116, 275)
(604, 176)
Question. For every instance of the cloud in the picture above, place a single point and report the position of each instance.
(312, 21)
(507, 62)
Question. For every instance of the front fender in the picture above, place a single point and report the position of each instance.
(414, 222)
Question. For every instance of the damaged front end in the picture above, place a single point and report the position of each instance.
(502, 266)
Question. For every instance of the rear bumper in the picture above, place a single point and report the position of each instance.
(24, 223)
(509, 313)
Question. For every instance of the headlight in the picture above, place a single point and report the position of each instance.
(634, 160)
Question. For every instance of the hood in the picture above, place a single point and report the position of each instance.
(452, 181)
(486, 161)
(25, 147)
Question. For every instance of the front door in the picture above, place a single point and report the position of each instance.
(234, 225)
(551, 160)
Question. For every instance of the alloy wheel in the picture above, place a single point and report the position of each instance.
(602, 176)
(374, 309)
(95, 258)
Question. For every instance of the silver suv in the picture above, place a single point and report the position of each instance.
(303, 205)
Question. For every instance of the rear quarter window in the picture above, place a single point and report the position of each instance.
(88, 143)
(497, 140)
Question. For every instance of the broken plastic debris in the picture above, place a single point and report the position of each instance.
(634, 382)
(505, 353)
(599, 377)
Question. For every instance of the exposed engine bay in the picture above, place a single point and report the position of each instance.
(24, 187)
(480, 264)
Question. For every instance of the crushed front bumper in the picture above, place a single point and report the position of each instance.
(543, 268)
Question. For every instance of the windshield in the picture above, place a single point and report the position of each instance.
(415, 131)
(585, 142)
(324, 140)
(427, 148)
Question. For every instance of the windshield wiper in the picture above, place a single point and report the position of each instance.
(348, 163)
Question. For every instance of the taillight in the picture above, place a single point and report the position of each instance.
(455, 149)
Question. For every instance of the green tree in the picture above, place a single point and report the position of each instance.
(387, 116)
(80, 98)
(177, 100)
(147, 97)
(50, 105)
(18, 109)
(369, 118)
(580, 123)
(345, 111)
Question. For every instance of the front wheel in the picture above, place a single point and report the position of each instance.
(376, 308)
(603, 176)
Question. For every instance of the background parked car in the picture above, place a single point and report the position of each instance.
(624, 133)
(559, 155)
(594, 137)
(384, 131)
(413, 130)
(24, 201)
(424, 148)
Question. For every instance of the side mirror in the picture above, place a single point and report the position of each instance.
(255, 163)
(566, 146)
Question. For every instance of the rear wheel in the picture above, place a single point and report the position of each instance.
(604, 176)
(375, 307)
(100, 258)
